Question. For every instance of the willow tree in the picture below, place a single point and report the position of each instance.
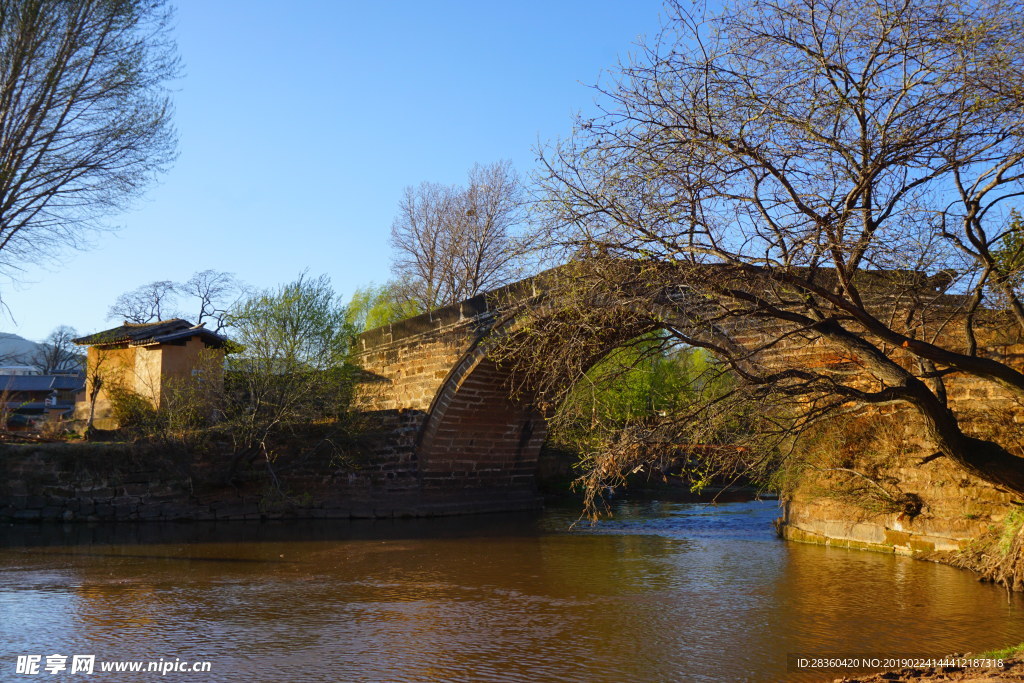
(830, 172)
(84, 117)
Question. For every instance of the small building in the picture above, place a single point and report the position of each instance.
(147, 359)
(28, 400)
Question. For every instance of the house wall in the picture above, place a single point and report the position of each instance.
(191, 361)
(114, 365)
(146, 378)
(146, 371)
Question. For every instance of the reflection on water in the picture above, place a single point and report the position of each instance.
(663, 591)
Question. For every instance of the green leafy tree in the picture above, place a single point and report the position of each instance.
(290, 369)
(377, 305)
(623, 404)
(1008, 255)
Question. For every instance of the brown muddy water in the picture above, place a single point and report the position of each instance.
(664, 591)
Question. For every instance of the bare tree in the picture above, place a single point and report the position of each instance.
(84, 117)
(451, 243)
(215, 292)
(488, 251)
(421, 238)
(211, 292)
(58, 354)
(98, 371)
(148, 303)
(818, 172)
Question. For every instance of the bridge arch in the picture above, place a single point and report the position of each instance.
(457, 423)
(476, 432)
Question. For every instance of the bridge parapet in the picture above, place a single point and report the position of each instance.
(482, 309)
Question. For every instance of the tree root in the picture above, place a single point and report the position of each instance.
(995, 562)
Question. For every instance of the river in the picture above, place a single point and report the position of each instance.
(662, 591)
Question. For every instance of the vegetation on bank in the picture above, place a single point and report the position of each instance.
(627, 419)
(287, 384)
(1004, 653)
(998, 556)
(852, 459)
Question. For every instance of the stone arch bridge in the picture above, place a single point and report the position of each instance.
(451, 440)
(448, 435)
(444, 426)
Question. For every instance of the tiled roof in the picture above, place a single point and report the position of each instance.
(41, 383)
(147, 334)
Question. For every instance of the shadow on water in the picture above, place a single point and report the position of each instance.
(137, 556)
(135, 533)
(560, 512)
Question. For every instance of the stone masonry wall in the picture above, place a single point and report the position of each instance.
(118, 482)
(471, 438)
(407, 373)
(956, 508)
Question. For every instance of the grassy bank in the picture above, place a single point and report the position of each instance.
(1004, 653)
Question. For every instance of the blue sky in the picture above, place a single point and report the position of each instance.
(300, 123)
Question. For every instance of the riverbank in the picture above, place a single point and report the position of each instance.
(1012, 670)
(875, 484)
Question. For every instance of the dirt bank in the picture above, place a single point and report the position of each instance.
(1013, 670)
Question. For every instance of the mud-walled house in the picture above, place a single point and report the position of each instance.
(147, 360)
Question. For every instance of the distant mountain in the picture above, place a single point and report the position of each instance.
(15, 350)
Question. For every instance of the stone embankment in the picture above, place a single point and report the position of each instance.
(124, 483)
(955, 510)
(875, 483)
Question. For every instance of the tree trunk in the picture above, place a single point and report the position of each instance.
(986, 460)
